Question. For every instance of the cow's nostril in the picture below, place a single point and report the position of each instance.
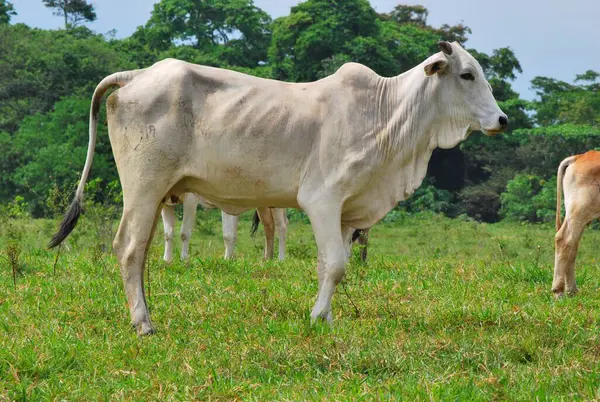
(503, 121)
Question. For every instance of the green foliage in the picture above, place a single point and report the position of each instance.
(568, 131)
(429, 198)
(209, 27)
(57, 202)
(73, 11)
(562, 103)
(409, 44)
(61, 132)
(18, 208)
(541, 149)
(102, 209)
(481, 202)
(403, 14)
(7, 10)
(317, 30)
(8, 162)
(529, 198)
(39, 67)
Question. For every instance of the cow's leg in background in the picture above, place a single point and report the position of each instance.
(363, 242)
(347, 237)
(131, 245)
(281, 222)
(230, 226)
(168, 218)
(190, 204)
(266, 217)
(566, 244)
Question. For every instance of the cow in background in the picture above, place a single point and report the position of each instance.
(579, 178)
(271, 217)
(361, 236)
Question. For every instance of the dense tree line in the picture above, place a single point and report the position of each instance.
(48, 77)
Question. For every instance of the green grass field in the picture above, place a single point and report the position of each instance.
(444, 310)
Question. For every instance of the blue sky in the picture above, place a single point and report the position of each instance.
(551, 38)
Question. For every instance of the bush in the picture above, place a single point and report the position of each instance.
(430, 198)
(16, 209)
(529, 198)
(480, 202)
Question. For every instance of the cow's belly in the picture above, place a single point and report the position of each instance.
(231, 168)
(227, 185)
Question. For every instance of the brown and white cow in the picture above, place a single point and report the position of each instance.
(345, 149)
(579, 178)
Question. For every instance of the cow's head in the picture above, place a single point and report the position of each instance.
(463, 94)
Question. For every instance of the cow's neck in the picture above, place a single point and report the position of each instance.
(410, 126)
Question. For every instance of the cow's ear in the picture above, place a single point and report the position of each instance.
(437, 65)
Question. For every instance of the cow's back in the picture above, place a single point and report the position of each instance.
(240, 138)
(587, 167)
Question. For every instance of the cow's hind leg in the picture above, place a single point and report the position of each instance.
(281, 222)
(131, 246)
(168, 217)
(566, 244)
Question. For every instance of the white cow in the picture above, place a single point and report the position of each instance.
(345, 149)
(271, 217)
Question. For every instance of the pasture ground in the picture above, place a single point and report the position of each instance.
(444, 309)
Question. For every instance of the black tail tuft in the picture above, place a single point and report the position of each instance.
(356, 234)
(255, 222)
(68, 223)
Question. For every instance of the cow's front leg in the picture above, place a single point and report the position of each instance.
(331, 261)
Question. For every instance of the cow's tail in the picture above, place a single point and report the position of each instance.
(70, 219)
(559, 187)
(356, 234)
(255, 222)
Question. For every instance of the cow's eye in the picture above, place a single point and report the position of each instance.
(467, 76)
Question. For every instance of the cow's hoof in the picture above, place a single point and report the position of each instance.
(145, 328)
(327, 317)
(559, 290)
